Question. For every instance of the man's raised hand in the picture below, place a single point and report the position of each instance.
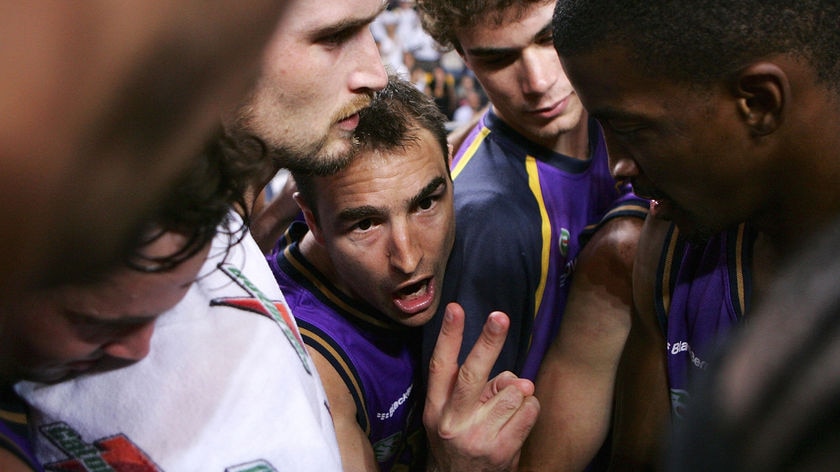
(475, 424)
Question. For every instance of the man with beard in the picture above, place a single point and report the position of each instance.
(726, 115)
(320, 69)
(228, 380)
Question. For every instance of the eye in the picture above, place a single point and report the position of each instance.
(337, 38)
(623, 128)
(363, 225)
(498, 61)
(426, 203)
(545, 38)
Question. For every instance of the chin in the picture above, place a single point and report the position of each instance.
(418, 319)
(50, 377)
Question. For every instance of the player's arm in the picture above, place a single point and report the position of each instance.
(353, 444)
(10, 462)
(576, 380)
(642, 407)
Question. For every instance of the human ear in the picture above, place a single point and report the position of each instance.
(309, 217)
(762, 91)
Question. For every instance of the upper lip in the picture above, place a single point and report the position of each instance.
(545, 109)
(552, 106)
(647, 192)
(416, 281)
(350, 115)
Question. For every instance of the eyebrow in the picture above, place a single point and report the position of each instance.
(347, 24)
(610, 113)
(121, 321)
(429, 189)
(495, 51)
(359, 213)
(367, 211)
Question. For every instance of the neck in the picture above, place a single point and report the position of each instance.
(575, 142)
(572, 142)
(805, 192)
(317, 255)
(806, 200)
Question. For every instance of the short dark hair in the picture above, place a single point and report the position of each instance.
(442, 18)
(395, 116)
(699, 41)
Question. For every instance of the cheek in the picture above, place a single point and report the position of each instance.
(500, 86)
(441, 242)
(359, 265)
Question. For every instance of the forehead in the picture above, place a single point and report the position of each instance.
(609, 82)
(384, 177)
(514, 26)
(125, 295)
(303, 18)
(128, 292)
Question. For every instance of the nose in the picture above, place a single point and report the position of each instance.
(132, 345)
(404, 253)
(369, 71)
(540, 67)
(621, 163)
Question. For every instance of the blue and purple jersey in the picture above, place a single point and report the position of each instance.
(377, 358)
(14, 432)
(702, 290)
(520, 212)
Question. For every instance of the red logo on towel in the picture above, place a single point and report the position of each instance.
(114, 453)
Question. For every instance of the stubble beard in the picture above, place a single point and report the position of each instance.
(320, 158)
(330, 154)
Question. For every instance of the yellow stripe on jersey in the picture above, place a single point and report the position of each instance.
(338, 358)
(534, 184)
(470, 152)
(12, 417)
(739, 268)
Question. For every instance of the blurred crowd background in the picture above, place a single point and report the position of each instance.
(410, 52)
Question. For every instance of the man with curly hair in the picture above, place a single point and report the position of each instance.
(531, 183)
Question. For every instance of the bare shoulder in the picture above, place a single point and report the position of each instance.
(338, 394)
(614, 243)
(354, 445)
(10, 463)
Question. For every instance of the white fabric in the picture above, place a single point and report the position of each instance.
(223, 389)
